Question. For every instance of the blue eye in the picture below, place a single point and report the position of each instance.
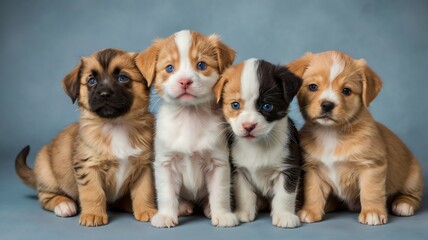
(169, 69)
(92, 81)
(267, 107)
(235, 105)
(313, 87)
(201, 66)
(122, 79)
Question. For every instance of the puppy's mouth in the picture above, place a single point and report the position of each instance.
(108, 110)
(186, 96)
(249, 136)
(325, 118)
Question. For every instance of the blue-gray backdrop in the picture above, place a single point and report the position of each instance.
(41, 41)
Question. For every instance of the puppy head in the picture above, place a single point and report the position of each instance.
(335, 87)
(255, 94)
(185, 66)
(107, 83)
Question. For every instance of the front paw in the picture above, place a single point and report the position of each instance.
(145, 215)
(93, 220)
(309, 216)
(227, 219)
(162, 221)
(285, 220)
(373, 217)
(246, 216)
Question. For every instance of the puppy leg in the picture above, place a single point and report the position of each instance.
(92, 198)
(185, 208)
(168, 183)
(373, 196)
(143, 196)
(283, 205)
(316, 192)
(410, 196)
(246, 198)
(218, 180)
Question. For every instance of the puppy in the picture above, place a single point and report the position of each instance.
(108, 153)
(265, 152)
(348, 155)
(191, 153)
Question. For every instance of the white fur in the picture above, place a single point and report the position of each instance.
(122, 149)
(336, 68)
(330, 95)
(261, 159)
(191, 153)
(65, 209)
(403, 209)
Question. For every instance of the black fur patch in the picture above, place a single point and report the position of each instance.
(105, 56)
(292, 175)
(278, 86)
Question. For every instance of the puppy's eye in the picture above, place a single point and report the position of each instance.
(346, 91)
(92, 81)
(235, 105)
(122, 79)
(201, 66)
(313, 87)
(267, 107)
(169, 69)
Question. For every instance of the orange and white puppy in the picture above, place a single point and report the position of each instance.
(348, 155)
(191, 159)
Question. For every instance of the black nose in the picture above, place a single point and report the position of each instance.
(327, 106)
(105, 93)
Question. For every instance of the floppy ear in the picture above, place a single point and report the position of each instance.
(299, 66)
(289, 81)
(218, 88)
(372, 84)
(225, 54)
(146, 62)
(71, 82)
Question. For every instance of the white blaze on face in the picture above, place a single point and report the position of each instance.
(183, 39)
(336, 68)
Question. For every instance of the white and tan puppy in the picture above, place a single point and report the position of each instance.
(191, 159)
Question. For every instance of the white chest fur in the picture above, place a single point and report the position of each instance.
(122, 149)
(264, 162)
(328, 139)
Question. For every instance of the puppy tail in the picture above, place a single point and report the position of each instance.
(25, 173)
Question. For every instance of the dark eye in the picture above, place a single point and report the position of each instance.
(169, 69)
(267, 107)
(122, 79)
(235, 105)
(201, 66)
(313, 87)
(92, 81)
(346, 91)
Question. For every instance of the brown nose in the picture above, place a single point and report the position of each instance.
(249, 126)
(185, 82)
(327, 106)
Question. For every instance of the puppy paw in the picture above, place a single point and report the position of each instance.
(207, 211)
(309, 216)
(185, 208)
(227, 219)
(285, 220)
(246, 216)
(65, 209)
(145, 215)
(402, 209)
(164, 221)
(93, 220)
(373, 217)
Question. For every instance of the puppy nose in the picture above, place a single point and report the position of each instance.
(105, 93)
(327, 106)
(185, 82)
(249, 126)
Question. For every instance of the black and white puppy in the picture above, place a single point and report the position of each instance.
(255, 97)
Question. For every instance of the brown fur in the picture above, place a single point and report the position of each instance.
(79, 165)
(374, 164)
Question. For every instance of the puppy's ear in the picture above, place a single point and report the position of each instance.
(225, 54)
(71, 82)
(218, 88)
(372, 84)
(289, 81)
(146, 62)
(299, 66)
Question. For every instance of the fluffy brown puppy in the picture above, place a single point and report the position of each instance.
(105, 156)
(348, 155)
